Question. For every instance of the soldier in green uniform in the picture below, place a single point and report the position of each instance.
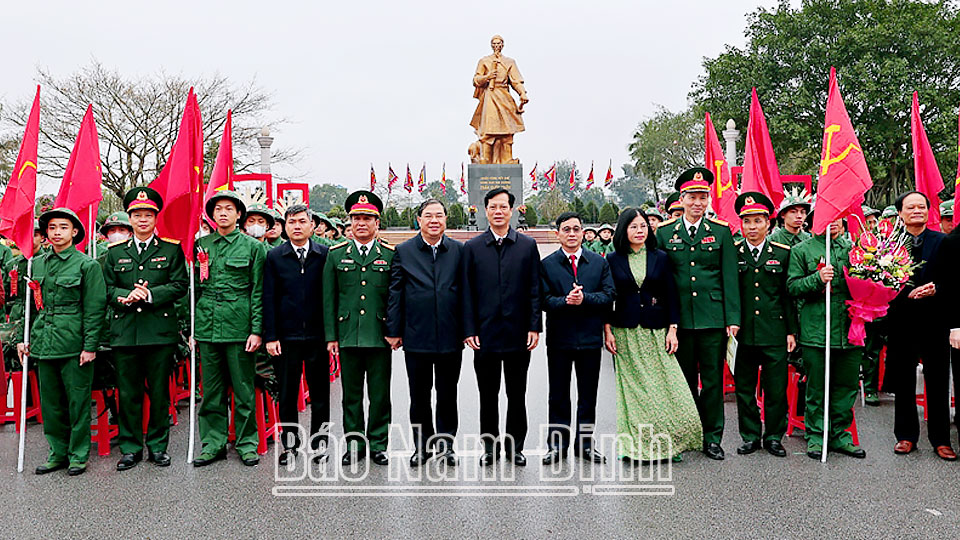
(590, 238)
(65, 333)
(323, 225)
(808, 274)
(229, 319)
(6, 259)
(275, 233)
(792, 214)
(946, 217)
(673, 205)
(257, 221)
(889, 212)
(876, 336)
(705, 268)
(769, 328)
(355, 281)
(655, 219)
(604, 243)
(145, 276)
(15, 285)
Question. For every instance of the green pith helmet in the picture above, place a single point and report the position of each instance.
(867, 211)
(226, 194)
(116, 219)
(62, 213)
(320, 217)
(888, 212)
(795, 197)
(946, 209)
(261, 210)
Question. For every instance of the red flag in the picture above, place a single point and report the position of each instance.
(20, 196)
(533, 177)
(408, 185)
(373, 178)
(844, 177)
(724, 192)
(391, 177)
(181, 179)
(609, 178)
(223, 168)
(463, 182)
(590, 177)
(760, 171)
(80, 189)
(551, 176)
(956, 183)
(573, 176)
(443, 179)
(422, 181)
(925, 171)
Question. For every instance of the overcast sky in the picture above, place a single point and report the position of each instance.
(387, 81)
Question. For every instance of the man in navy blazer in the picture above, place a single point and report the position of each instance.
(502, 322)
(293, 327)
(577, 292)
(424, 311)
(918, 331)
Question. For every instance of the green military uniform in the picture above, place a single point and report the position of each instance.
(318, 218)
(144, 335)
(6, 259)
(673, 204)
(229, 310)
(74, 298)
(782, 236)
(804, 283)
(705, 270)
(767, 317)
(354, 312)
(876, 339)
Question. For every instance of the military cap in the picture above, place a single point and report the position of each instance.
(261, 210)
(277, 216)
(363, 203)
(62, 213)
(867, 211)
(608, 227)
(116, 219)
(142, 197)
(795, 197)
(673, 202)
(751, 203)
(946, 209)
(695, 180)
(320, 217)
(225, 194)
(888, 212)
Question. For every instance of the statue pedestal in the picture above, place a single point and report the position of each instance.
(481, 178)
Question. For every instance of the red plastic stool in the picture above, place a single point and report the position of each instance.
(263, 403)
(882, 368)
(795, 421)
(728, 383)
(12, 414)
(102, 431)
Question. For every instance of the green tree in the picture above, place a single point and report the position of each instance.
(591, 213)
(631, 190)
(608, 214)
(407, 218)
(577, 205)
(549, 204)
(531, 216)
(883, 51)
(435, 191)
(391, 218)
(456, 218)
(336, 211)
(323, 197)
(665, 145)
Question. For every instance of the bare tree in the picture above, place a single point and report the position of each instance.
(137, 120)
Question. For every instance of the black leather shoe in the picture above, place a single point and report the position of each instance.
(591, 455)
(129, 461)
(851, 450)
(379, 457)
(748, 448)
(206, 459)
(488, 458)
(713, 451)
(250, 460)
(49, 467)
(554, 455)
(287, 456)
(419, 457)
(160, 459)
(814, 452)
(76, 470)
(518, 459)
(775, 448)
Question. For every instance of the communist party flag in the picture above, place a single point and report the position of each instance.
(760, 171)
(422, 180)
(181, 179)
(724, 193)
(82, 179)
(223, 168)
(533, 177)
(956, 191)
(463, 182)
(551, 176)
(609, 178)
(20, 196)
(844, 177)
(391, 177)
(373, 178)
(925, 170)
(443, 179)
(408, 185)
(590, 177)
(573, 176)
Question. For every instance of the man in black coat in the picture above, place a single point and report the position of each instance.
(424, 310)
(293, 327)
(577, 292)
(502, 321)
(918, 331)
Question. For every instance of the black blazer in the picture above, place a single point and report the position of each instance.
(655, 304)
(923, 313)
(292, 299)
(575, 327)
(425, 305)
(948, 288)
(502, 300)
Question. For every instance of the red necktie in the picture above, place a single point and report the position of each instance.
(573, 263)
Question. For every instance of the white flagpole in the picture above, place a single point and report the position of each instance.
(25, 368)
(193, 371)
(826, 377)
(91, 237)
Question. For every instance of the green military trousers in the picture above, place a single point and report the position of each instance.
(136, 366)
(772, 364)
(701, 357)
(373, 365)
(65, 388)
(226, 365)
(844, 379)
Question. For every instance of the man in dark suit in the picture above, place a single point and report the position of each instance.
(293, 327)
(424, 311)
(577, 291)
(918, 332)
(502, 321)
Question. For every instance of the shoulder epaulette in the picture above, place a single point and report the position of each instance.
(388, 246)
(170, 240)
(738, 242)
(779, 245)
(718, 222)
(340, 245)
(668, 222)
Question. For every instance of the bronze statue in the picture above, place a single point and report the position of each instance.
(497, 116)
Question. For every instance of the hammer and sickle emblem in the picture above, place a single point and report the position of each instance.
(718, 163)
(827, 160)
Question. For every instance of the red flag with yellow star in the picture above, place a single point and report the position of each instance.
(80, 189)
(180, 181)
(760, 171)
(926, 173)
(21, 193)
(724, 192)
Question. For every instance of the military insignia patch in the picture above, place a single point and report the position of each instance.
(124, 261)
(708, 240)
(380, 262)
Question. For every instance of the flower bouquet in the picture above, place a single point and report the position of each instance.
(880, 267)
